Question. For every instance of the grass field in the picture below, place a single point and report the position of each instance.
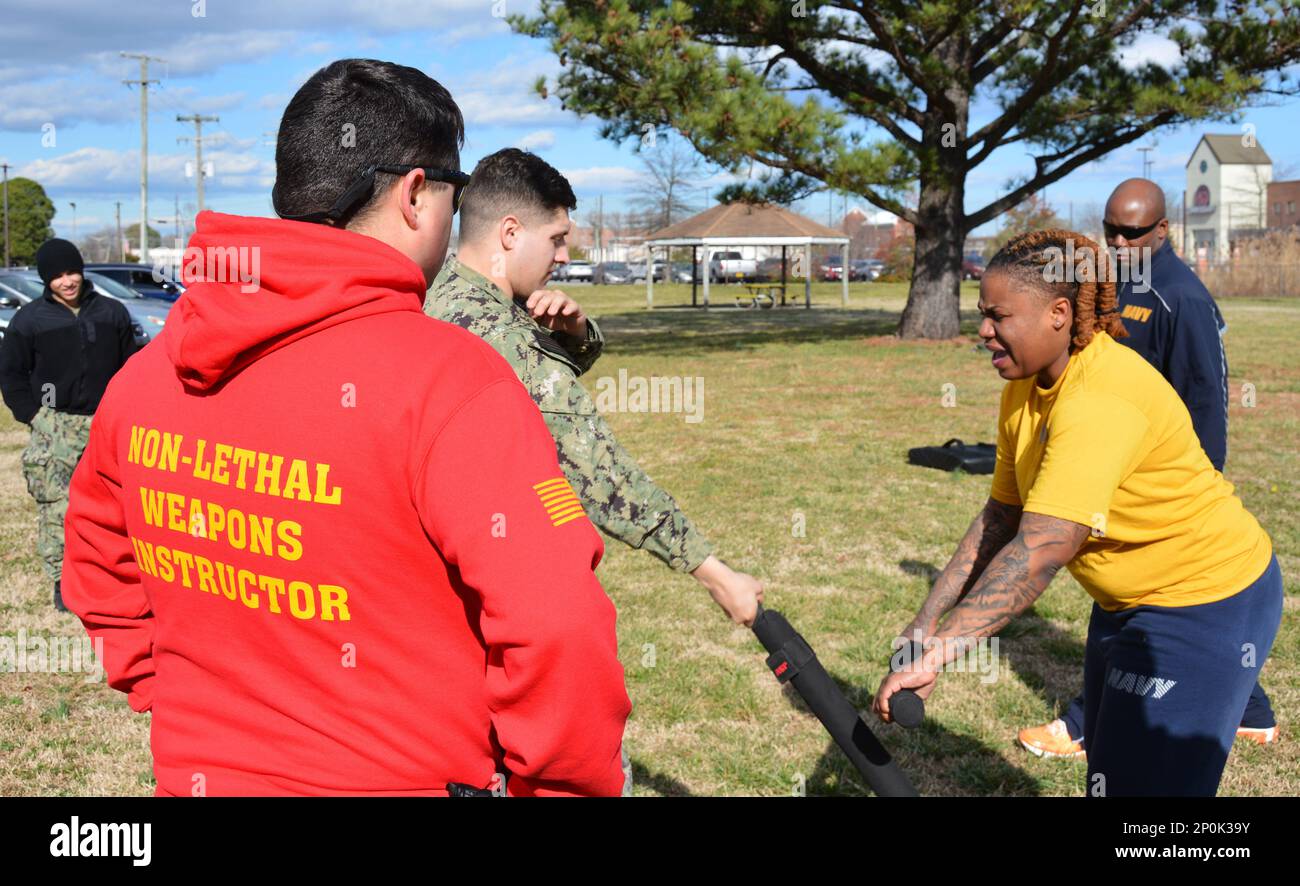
(807, 418)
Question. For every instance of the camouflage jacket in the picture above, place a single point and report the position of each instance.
(617, 495)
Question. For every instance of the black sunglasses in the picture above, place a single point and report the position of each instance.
(1130, 234)
(360, 189)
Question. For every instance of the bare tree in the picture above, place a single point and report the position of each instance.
(1088, 220)
(668, 191)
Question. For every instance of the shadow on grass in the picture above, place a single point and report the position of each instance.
(688, 330)
(928, 571)
(683, 329)
(1057, 687)
(936, 760)
(665, 785)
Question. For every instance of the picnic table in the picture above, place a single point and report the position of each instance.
(760, 291)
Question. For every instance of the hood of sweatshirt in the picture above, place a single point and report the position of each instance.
(255, 285)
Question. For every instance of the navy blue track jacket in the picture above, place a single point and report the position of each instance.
(1177, 327)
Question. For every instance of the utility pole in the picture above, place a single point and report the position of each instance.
(1146, 160)
(5, 167)
(143, 83)
(198, 120)
(177, 228)
(117, 215)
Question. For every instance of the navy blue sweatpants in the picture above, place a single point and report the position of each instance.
(1164, 689)
(1259, 714)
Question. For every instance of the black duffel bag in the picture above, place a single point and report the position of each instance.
(976, 458)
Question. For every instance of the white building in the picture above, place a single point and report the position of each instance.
(1227, 195)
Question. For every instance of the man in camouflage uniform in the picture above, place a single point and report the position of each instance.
(57, 357)
(514, 220)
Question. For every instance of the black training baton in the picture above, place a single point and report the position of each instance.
(792, 660)
(906, 708)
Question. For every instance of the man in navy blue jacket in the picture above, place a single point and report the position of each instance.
(1173, 322)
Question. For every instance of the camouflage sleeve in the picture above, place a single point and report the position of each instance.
(584, 351)
(617, 495)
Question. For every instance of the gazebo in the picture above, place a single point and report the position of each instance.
(745, 224)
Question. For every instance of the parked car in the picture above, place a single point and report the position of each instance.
(660, 271)
(687, 272)
(146, 314)
(20, 286)
(578, 272)
(149, 313)
(769, 269)
(731, 266)
(972, 267)
(144, 279)
(831, 269)
(866, 269)
(9, 305)
(612, 273)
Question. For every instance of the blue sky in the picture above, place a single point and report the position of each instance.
(243, 59)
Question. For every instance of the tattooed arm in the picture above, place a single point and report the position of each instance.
(991, 529)
(1013, 579)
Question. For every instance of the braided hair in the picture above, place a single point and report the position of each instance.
(1039, 259)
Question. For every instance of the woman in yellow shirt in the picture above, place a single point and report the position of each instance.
(1099, 470)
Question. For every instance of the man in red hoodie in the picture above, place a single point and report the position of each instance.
(323, 538)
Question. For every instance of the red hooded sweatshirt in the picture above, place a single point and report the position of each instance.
(326, 541)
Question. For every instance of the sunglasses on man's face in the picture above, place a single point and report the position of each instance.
(360, 189)
(1128, 233)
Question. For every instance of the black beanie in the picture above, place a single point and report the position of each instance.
(57, 257)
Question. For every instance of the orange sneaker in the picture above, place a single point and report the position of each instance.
(1051, 740)
(1259, 736)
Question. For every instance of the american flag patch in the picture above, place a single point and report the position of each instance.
(561, 504)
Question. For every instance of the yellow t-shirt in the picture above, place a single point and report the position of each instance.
(1111, 446)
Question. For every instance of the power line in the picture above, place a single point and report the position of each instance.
(143, 83)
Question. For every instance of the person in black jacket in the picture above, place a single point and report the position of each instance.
(56, 359)
(1173, 322)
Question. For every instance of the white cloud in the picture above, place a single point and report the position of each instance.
(28, 106)
(90, 37)
(488, 109)
(603, 178)
(101, 171)
(503, 94)
(475, 30)
(1150, 48)
(537, 141)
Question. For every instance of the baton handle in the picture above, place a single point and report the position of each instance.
(907, 709)
(793, 660)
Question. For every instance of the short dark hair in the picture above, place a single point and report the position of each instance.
(509, 182)
(351, 114)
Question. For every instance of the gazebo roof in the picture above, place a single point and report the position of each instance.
(746, 221)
